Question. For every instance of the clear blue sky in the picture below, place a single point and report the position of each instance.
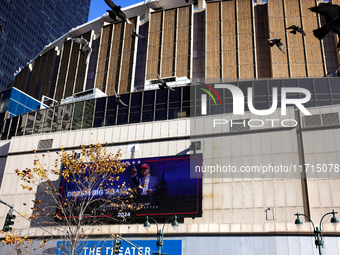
(99, 7)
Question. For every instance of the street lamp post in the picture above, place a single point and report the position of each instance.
(317, 230)
(160, 232)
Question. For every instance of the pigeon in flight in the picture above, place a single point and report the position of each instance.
(134, 34)
(85, 48)
(296, 29)
(116, 12)
(332, 14)
(2, 30)
(118, 100)
(277, 42)
(163, 84)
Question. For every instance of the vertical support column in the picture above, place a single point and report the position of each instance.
(161, 46)
(254, 39)
(237, 41)
(304, 180)
(61, 65)
(304, 42)
(121, 61)
(221, 43)
(88, 64)
(286, 37)
(192, 40)
(76, 71)
(176, 43)
(148, 18)
(133, 72)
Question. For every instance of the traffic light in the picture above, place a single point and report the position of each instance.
(9, 217)
(117, 246)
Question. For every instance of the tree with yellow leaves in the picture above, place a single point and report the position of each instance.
(80, 193)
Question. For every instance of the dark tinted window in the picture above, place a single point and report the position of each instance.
(67, 118)
(321, 85)
(77, 115)
(99, 112)
(88, 113)
(123, 111)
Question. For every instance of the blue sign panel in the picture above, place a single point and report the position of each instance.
(101, 247)
(163, 187)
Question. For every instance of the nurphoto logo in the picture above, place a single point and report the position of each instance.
(238, 104)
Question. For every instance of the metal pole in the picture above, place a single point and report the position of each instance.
(3, 202)
(130, 244)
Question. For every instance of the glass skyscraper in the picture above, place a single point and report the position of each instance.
(30, 25)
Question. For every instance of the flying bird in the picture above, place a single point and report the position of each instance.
(85, 47)
(296, 29)
(277, 42)
(118, 100)
(134, 34)
(163, 84)
(332, 14)
(116, 12)
(2, 30)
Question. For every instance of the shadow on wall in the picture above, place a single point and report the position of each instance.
(48, 206)
(3, 152)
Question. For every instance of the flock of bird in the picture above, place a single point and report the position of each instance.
(331, 12)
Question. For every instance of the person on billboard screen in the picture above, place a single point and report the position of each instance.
(147, 184)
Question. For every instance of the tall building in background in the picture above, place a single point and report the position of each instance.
(30, 25)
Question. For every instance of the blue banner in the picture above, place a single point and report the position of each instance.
(106, 247)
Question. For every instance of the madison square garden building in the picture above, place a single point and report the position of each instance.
(248, 137)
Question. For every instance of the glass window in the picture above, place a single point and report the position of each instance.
(48, 120)
(6, 129)
(67, 118)
(261, 105)
(99, 112)
(111, 111)
(260, 88)
(123, 111)
(244, 85)
(215, 103)
(175, 103)
(39, 121)
(187, 104)
(88, 114)
(321, 85)
(290, 83)
(321, 103)
(30, 123)
(135, 107)
(324, 97)
(335, 85)
(148, 105)
(13, 127)
(276, 84)
(57, 118)
(21, 125)
(161, 104)
(77, 115)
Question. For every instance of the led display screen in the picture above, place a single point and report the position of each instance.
(163, 187)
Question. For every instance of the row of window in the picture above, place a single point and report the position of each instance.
(156, 105)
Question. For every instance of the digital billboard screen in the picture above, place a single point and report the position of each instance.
(163, 187)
